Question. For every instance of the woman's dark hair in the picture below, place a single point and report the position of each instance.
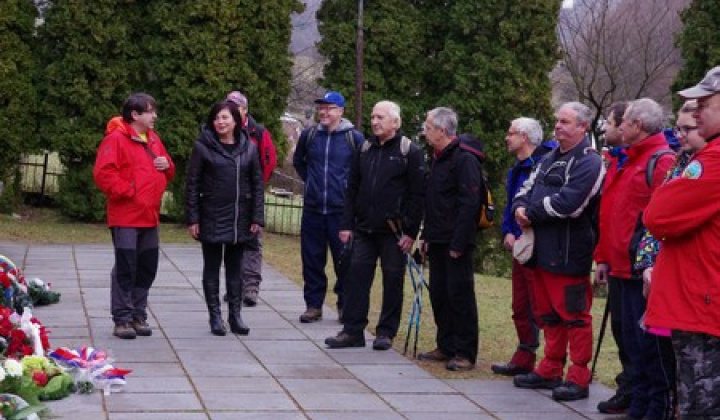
(139, 102)
(230, 106)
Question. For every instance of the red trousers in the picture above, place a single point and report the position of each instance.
(522, 316)
(562, 308)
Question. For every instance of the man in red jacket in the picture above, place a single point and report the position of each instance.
(685, 292)
(619, 402)
(133, 169)
(252, 257)
(629, 191)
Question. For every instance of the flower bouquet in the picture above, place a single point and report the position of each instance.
(13, 407)
(21, 335)
(18, 293)
(91, 368)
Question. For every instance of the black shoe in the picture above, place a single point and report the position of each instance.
(382, 342)
(617, 404)
(344, 340)
(250, 298)
(534, 381)
(570, 391)
(509, 369)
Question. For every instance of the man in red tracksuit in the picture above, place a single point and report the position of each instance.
(685, 292)
(559, 201)
(133, 169)
(642, 130)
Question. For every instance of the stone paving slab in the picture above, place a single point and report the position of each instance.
(281, 371)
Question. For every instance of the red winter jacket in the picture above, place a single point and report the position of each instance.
(604, 213)
(628, 194)
(685, 215)
(125, 173)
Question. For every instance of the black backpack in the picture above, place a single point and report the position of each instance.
(485, 217)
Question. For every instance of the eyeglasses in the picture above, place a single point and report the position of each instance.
(326, 107)
(683, 130)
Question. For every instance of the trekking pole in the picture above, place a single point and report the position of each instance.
(417, 283)
(601, 335)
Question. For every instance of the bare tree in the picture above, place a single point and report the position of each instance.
(617, 50)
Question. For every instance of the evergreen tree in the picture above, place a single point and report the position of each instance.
(699, 42)
(187, 53)
(91, 60)
(487, 59)
(17, 94)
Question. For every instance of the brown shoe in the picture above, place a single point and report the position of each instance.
(124, 330)
(458, 364)
(434, 356)
(311, 315)
(142, 328)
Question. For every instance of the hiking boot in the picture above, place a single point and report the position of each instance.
(311, 315)
(509, 369)
(534, 381)
(250, 298)
(344, 340)
(459, 364)
(570, 391)
(617, 404)
(382, 342)
(124, 330)
(142, 328)
(434, 356)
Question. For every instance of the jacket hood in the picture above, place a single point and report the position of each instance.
(208, 138)
(344, 125)
(116, 123)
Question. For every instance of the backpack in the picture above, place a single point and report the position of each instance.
(652, 163)
(485, 217)
(266, 150)
(348, 137)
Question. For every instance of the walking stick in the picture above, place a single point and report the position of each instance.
(600, 337)
(418, 281)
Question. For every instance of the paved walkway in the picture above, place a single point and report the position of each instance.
(281, 371)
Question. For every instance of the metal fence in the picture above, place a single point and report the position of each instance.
(39, 176)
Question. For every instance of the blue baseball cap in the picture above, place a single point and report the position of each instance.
(332, 97)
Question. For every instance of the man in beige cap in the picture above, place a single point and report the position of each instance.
(685, 292)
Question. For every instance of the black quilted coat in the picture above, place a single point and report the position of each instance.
(224, 189)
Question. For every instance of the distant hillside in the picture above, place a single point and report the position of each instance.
(305, 32)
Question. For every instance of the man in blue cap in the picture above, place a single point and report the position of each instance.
(322, 159)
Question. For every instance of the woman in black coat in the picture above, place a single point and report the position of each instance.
(224, 208)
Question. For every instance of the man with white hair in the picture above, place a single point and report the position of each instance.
(559, 201)
(524, 141)
(386, 182)
(648, 160)
(686, 277)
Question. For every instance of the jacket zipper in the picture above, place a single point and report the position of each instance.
(237, 197)
(325, 172)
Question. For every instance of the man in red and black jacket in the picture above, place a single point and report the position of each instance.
(133, 169)
(252, 258)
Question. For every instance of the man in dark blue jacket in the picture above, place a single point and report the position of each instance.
(322, 159)
(559, 201)
(524, 141)
(387, 181)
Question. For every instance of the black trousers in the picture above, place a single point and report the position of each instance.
(452, 295)
(232, 255)
(136, 264)
(367, 249)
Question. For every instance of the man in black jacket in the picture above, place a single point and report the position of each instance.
(451, 205)
(387, 182)
(559, 201)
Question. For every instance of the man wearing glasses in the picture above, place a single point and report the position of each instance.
(322, 159)
(629, 192)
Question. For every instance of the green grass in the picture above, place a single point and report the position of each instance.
(497, 333)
